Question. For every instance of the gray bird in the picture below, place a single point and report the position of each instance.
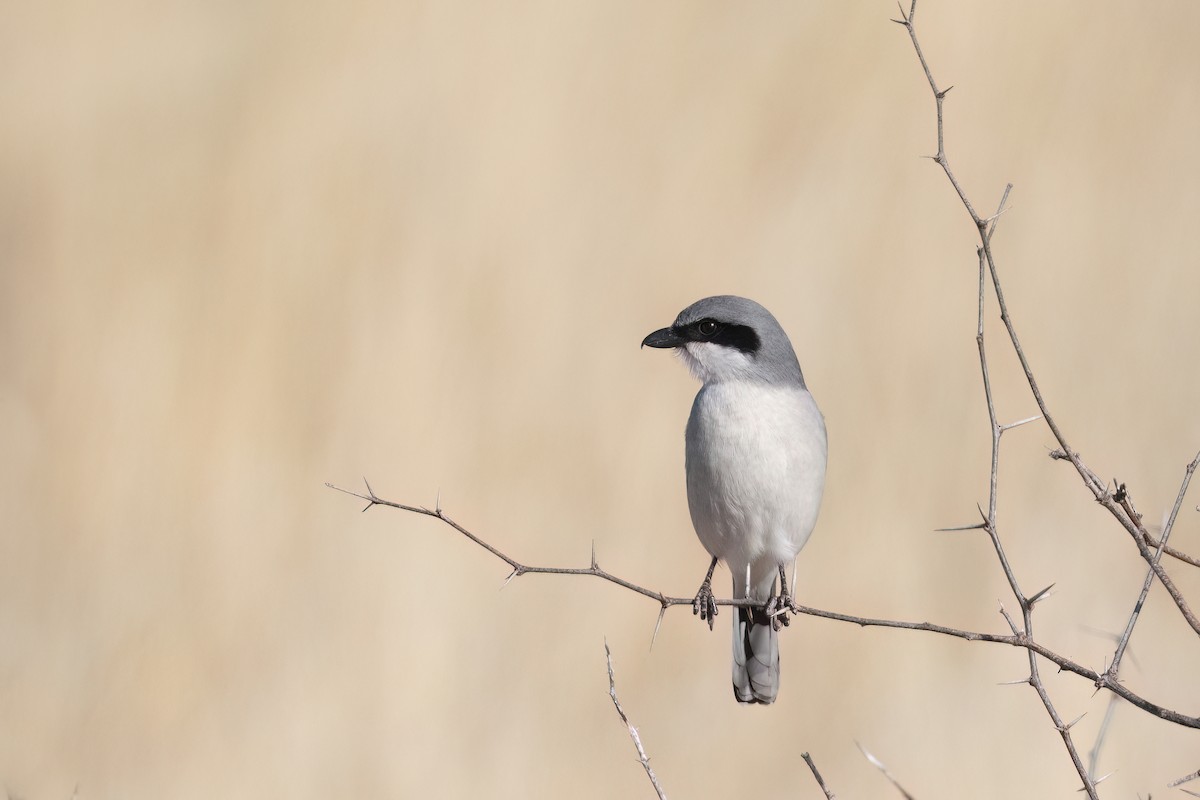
(755, 453)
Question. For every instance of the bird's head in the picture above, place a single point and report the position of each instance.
(730, 338)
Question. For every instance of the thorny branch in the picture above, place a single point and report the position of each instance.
(1026, 604)
(667, 601)
(1121, 507)
(1123, 513)
(1113, 668)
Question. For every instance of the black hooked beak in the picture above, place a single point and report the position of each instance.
(664, 338)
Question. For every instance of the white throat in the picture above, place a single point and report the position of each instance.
(714, 363)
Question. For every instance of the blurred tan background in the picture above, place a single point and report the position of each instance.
(251, 247)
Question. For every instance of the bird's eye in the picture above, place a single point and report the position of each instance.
(708, 327)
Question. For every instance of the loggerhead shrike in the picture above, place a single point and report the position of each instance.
(755, 452)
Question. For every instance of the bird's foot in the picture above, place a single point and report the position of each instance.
(777, 609)
(705, 603)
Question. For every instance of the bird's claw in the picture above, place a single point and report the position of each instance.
(705, 604)
(777, 609)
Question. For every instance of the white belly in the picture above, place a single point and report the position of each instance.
(755, 473)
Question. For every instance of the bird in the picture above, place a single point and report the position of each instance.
(755, 454)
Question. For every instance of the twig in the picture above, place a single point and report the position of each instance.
(633, 734)
(880, 766)
(939, 95)
(1121, 511)
(997, 432)
(1115, 667)
(1184, 779)
(666, 601)
(820, 781)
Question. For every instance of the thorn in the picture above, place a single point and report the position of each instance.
(1017, 682)
(982, 515)
(997, 215)
(1039, 595)
(1098, 781)
(661, 613)
(1019, 422)
(437, 503)
(1071, 724)
(944, 92)
(594, 554)
(976, 527)
(370, 495)
(511, 575)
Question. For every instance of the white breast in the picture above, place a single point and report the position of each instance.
(756, 458)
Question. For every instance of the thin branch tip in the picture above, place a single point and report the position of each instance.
(1184, 779)
(817, 775)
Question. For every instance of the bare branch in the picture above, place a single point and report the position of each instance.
(1064, 730)
(665, 601)
(1132, 525)
(1184, 779)
(985, 229)
(633, 733)
(820, 781)
(1115, 667)
(1178, 555)
(520, 569)
(939, 96)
